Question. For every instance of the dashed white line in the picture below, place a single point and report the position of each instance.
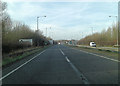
(79, 74)
(20, 66)
(67, 59)
(64, 54)
(61, 51)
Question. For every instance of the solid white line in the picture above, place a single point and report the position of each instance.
(67, 59)
(20, 66)
(61, 51)
(98, 55)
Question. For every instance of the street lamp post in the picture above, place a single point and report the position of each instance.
(38, 22)
(38, 28)
(50, 33)
(46, 32)
(92, 33)
(116, 26)
(92, 29)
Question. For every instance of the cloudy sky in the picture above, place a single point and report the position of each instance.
(68, 20)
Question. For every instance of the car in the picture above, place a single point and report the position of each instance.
(92, 44)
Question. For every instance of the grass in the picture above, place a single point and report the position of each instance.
(10, 60)
(107, 53)
(100, 49)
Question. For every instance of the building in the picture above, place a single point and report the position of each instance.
(28, 42)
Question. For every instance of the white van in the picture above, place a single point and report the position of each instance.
(92, 44)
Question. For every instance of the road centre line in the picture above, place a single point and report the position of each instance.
(67, 59)
(21, 66)
(61, 51)
(79, 74)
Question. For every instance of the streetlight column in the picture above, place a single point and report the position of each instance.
(92, 29)
(116, 26)
(50, 33)
(92, 33)
(38, 21)
(46, 32)
(37, 31)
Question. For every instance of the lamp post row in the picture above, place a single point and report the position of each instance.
(91, 27)
(38, 24)
(116, 27)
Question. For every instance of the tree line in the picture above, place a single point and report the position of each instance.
(12, 31)
(104, 38)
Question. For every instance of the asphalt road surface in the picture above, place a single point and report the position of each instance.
(60, 64)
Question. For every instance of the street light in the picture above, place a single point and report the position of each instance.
(116, 26)
(37, 31)
(37, 20)
(50, 33)
(92, 32)
(92, 29)
(47, 30)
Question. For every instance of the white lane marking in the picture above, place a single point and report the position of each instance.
(61, 51)
(80, 75)
(67, 59)
(20, 66)
(98, 55)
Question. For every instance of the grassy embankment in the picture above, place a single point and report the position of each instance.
(107, 53)
(20, 54)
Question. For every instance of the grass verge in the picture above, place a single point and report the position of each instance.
(107, 53)
(11, 60)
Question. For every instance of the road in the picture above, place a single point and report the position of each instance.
(60, 64)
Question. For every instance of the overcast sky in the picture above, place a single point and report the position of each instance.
(68, 20)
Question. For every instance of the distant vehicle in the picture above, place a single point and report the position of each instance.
(59, 43)
(92, 44)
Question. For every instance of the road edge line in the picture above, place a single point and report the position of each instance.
(21, 66)
(98, 55)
